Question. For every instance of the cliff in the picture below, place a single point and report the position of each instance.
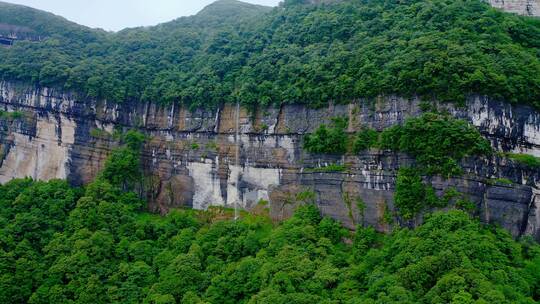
(189, 159)
(522, 7)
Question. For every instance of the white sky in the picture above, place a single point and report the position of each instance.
(118, 14)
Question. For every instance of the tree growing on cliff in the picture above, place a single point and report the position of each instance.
(329, 140)
(123, 167)
(438, 142)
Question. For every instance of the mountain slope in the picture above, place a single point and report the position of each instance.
(27, 22)
(63, 245)
(299, 53)
(231, 10)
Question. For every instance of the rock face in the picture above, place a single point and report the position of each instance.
(189, 159)
(522, 7)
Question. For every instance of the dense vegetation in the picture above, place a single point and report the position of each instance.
(365, 139)
(231, 51)
(525, 159)
(60, 244)
(412, 195)
(328, 139)
(97, 244)
(94, 245)
(437, 141)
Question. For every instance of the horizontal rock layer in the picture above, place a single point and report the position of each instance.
(189, 159)
(522, 7)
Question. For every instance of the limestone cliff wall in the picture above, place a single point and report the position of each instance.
(522, 7)
(189, 160)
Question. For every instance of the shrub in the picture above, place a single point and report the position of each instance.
(413, 195)
(134, 139)
(123, 167)
(11, 115)
(328, 140)
(437, 141)
(525, 159)
(365, 139)
(389, 138)
(410, 193)
(501, 180)
(99, 133)
(212, 145)
(329, 168)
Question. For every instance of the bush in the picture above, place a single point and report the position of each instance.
(134, 139)
(365, 139)
(437, 141)
(412, 195)
(11, 115)
(525, 159)
(328, 140)
(123, 166)
(99, 133)
(501, 180)
(328, 169)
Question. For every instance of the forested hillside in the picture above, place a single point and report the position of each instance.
(29, 22)
(298, 52)
(60, 244)
(99, 244)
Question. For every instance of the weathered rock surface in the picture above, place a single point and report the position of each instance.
(522, 7)
(189, 160)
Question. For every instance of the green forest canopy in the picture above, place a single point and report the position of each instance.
(65, 245)
(296, 53)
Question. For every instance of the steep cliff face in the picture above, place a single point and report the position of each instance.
(522, 7)
(189, 159)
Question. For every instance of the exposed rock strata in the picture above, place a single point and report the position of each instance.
(189, 160)
(522, 7)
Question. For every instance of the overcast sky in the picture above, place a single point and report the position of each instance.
(118, 14)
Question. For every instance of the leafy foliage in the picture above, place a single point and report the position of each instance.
(525, 159)
(329, 168)
(449, 259)
(297, 52)
(365, 139)
(123, 167)
(29, 23)
(60, 244)
(437, 142)
(329, 140)
(64, 245)
(412, 194)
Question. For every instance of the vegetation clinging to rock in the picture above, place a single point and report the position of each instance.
(437, 141)
(525, 159)
(329, 140)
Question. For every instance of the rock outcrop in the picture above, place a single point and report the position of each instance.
(522, 7)
(189, 159)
